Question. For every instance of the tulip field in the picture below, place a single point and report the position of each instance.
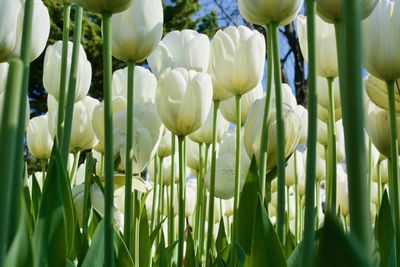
(196, 153)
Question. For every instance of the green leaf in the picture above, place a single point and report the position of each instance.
(172, 253)
(20, 252)
(295, 258)
(144, 240)
(338, 249)
(222, 241)
(95, 254)
(162, 253)
(384, 232)
(124, 258)
(247, 208)
(154, 234)
(290, 244)
(190, 257)
(36, 195)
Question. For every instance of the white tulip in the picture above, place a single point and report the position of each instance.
(294, 166)
(342, 192)
(304, 121)
(377, 92)
(102, 6)
(40, 142)
(3, 76)
(52, 71)
(331, 10)
(165, 146)
(167, 164)
(137, 31)
(9, 13)
(227, 205)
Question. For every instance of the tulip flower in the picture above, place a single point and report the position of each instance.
(225, 168)
(237, 60)
(217, 214)
(3, 76)
(205, 133)
(342, 192)
(190, 201)
(266, 12)
(145, 84)
(327, 65)
(52, 71)
(183, 100)
(137, 31)
(41, 26)
(330, 10)
(167, 164)
(146, 135)
(377, 92)
(104, 6)
(228, 109)
(165, 146)
(40, 142)
(9, 13)
(294, 167)
(192, 155)
(181, 49)
(304, 121)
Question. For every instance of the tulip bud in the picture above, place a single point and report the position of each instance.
(237, 61)
(331, 10)
(190, 201)
(145, 85)
(377, 92)
(165, 146)
(205, 133)
(40, 142)
(225, 168)
(137, 31)
(217, 212)
(183, 100)
(146, 135)
(9, 12)
(104, 6)
(227, 205)
(266, 12)
(52, 71)
(294, 166)
(320, 166)
(192, 155)
(327, 65)
(167, 164)
(342, 192)
(228, 108)
(304, 121)
(381, 30)
(3, 76)
(181, 49)
(40, 26)
(323, 95)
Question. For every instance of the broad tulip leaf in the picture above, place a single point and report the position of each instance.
(162, 253)
(266, 250)
(190, 257)
(124, 258)
(144, 240)
(221, 241)
(95, 254)
(384, 232)
(290, 244)
(295, 258)
(338, 249)
(36, 195)
(172, 253)
(155, 232)
(247, 208)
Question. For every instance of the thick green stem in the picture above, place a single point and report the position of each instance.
(8, 143)
(394, 152)
(181, 198)
(351, 93)
(309, 213)
(267, 113)
(281, 135)
(108, 153)
(69, 109)
(63, 74)
(129, 157)
(204, 204)
(210, 225)
(155, 194)
(171, 216)
(331, 149)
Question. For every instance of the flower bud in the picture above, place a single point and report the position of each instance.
(40, 142)
(331, 10)
(9, 13)
(104, 6)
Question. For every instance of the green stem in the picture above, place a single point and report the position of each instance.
(309, 209)
(64, 65)
(318, 202)
(281, 135)
(8, 143)
(90, 162)
(43, 163)
(267, 113)
(129, 156)
(108, 155)
(181, 197)
(155, 194)
(210, 225)
(379, 174)
(66, 136)
(72, 175)
(204, 205)
(287, 222)
(297, 200)
(20, 146)
(394, 149)
(199, 192)
(160, 197)
(331, 148)
(171, 217)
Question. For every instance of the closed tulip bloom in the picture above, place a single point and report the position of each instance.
(377, 92)
(293, 166)
(192, 155)
(205, 133)
(225, 168)
(327, 65)
(323, 93)
(320, 167)
(40, 26)
(137, 31)
(228, 108)
(181, 49)
(165, 146)
(383, 170)
(266, 12)
(145, 85)
(9, 11)
(3, 76)
(183, 100)
(104, 6)
(342, 192)
(303, 113)
(146, 135)
(330, 10)
(323, 114)
(39, 140)
(227, 205)
(52, 71)
(378, 127)
(381, 34)
(166, 170)
(237, 60)
(217, 216)
(190, 201)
